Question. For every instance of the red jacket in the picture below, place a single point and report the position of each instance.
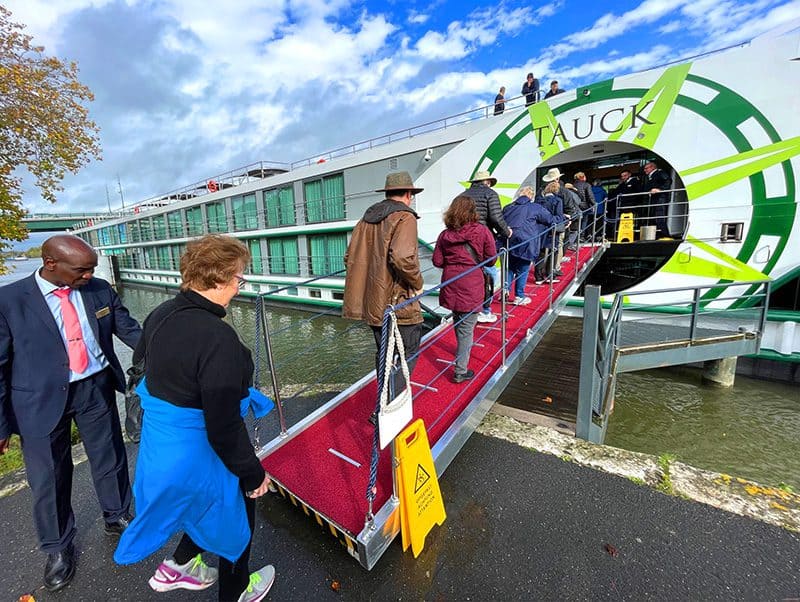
(451, 254)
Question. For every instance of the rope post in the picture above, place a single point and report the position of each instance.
(380, 373)
(275, 388)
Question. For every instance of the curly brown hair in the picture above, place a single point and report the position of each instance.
(460, 212)
(211, 260)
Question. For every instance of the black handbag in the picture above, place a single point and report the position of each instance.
(133, 403)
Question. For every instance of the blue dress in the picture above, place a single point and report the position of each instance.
(182, 485)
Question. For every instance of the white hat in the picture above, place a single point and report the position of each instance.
(552, 175)
(484, 175)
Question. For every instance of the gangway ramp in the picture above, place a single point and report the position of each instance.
(322, 464)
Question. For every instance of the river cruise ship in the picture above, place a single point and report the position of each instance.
(724, 126)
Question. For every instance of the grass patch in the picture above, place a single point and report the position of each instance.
(12, 460)
(637, 480)
(664, 462)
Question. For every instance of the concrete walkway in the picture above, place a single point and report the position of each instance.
(521, 526)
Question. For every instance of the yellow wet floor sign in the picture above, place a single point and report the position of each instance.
(625, 232)
(421, 504)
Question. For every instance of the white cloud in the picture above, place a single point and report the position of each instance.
(416, 18)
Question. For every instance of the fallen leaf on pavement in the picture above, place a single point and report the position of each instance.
(335, 585)
(611, 550)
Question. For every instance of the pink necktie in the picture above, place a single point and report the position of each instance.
(76, 348)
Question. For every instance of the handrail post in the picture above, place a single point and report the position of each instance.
(275, 389)
(549, 267)
(503, 268)
(578, 242)
(588, 370)
(693, 322)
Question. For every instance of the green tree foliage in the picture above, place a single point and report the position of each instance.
(45, 128)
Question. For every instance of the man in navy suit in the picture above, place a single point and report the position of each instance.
(57, 364)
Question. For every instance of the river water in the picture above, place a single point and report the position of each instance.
(750, 430)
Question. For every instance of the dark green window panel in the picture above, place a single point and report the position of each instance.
(327, 253)
(280, 207)
(283, 256)
(217, 217)
(325, 199)
(245, 213)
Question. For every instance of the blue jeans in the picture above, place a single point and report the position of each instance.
(493, 273)
(517, 277)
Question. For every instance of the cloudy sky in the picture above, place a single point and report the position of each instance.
(186, 89)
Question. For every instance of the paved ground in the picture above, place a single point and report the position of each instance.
(521, 526)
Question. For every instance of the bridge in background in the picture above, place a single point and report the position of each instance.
(58, 222)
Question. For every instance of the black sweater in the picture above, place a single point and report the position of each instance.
(197, 361)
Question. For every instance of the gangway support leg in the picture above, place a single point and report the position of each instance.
(720, 373)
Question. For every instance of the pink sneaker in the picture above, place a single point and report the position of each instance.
(193, 575)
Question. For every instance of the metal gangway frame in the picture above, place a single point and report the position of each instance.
(382, 526)
(626, 341)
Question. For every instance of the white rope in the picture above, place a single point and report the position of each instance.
(394, 341)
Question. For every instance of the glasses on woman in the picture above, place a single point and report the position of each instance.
(240, 281)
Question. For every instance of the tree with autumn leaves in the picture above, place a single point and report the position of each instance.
(45, 128)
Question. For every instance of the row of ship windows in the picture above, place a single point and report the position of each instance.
(324, 255)
(324, 201)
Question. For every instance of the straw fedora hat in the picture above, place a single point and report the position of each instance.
(552, 175)
(484, 175)
(400, 180)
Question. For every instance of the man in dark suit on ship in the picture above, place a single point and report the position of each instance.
(57, 364)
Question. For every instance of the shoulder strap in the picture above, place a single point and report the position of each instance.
(471, 251)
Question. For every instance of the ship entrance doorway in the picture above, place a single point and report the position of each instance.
(625, 264)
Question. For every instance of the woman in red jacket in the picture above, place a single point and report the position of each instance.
(463, 245)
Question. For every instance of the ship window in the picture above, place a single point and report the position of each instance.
(216, 217)
(315, 293)
(245, 212)
(338, 295)
(194, 221)
(123, 233)
(327, 253)
(175, 224)
(393, 164)
(292, 291)
(135, 236)
(283, 257)
(325, 199)
(256, 263)
(159, 227)
(731, 232)
(280, 207)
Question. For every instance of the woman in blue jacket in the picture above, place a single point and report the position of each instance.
(528, 221)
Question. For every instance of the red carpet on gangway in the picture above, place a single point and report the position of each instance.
(336, 488)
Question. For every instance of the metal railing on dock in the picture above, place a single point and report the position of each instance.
(625, 342)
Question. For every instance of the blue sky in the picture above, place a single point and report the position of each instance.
(186, 89)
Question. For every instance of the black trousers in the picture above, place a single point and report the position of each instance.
(411, 335)
(91, 402)
(233, 576)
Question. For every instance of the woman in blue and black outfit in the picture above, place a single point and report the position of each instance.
(197, 471)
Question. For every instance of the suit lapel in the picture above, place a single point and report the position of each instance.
(35, 300)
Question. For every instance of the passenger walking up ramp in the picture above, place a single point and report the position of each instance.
(322, 464)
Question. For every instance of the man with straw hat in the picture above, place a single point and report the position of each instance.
(383, 269)
(490, 214)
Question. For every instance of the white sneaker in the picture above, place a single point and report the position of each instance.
(194, 575)
(487, 318)
(259, 585)
(521, 301)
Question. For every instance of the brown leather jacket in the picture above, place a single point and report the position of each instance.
(382, 263)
